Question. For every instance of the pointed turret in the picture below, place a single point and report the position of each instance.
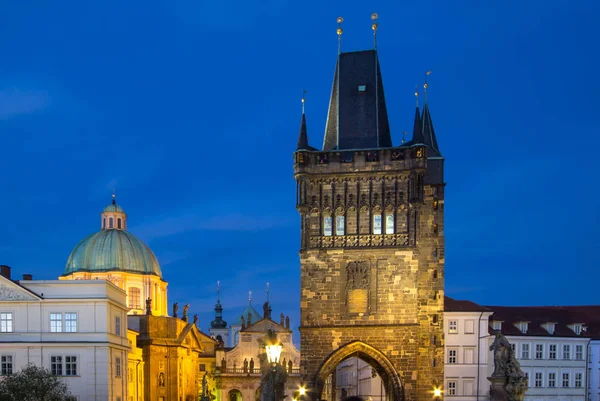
(357, 117)
(417, 128)
(303, 137)
(429, 138)
(218, 323)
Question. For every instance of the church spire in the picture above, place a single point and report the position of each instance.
(417, 130)
(428, 133)
(303, 136)
(218, 323)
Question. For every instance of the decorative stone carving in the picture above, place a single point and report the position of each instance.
(508, 380)
(11, 294)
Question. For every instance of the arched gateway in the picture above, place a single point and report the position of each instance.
(372, 239)
(374, 357)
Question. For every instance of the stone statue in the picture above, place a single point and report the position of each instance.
(243, 322)
(245, 365)
(508, 380)
(175, 309)
(161, 379)
(290, 365)
(195, 319)
(220, 342)
(185, 310)
(251, 365)
(283, 363)
(223, 364)
(149, 306)
(204, 385)
(287, 322)
(281, 319)
(266, 310)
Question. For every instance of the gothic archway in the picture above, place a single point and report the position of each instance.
(371, 355)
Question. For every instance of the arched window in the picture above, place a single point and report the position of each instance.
(104, 222)
(134, 298)
(110, 223)
(119, 223)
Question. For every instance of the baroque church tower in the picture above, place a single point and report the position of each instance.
(372, 240)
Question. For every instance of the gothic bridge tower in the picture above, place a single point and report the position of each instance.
(372, 240)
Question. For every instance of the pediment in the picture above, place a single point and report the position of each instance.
(10, 291)
(264, 325)
(196, 340)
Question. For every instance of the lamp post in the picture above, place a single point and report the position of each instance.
(273, 377)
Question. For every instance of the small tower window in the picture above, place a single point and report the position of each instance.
(104, 222)
(377, 224)
(119, 224)
(327, 226)
(389, 223)
(362, 88)
(339, 225)
(110, 223)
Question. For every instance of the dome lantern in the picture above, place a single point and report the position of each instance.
(113, 217)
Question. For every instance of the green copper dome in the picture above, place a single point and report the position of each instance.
(114, 208)
(112, 250)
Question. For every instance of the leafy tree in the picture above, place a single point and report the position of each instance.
(33, 383)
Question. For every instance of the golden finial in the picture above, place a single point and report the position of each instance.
(374, 26)
(114, 197)
(417, 94)
(339, 33)
(303, 100)
(425, 85)
(403, 136)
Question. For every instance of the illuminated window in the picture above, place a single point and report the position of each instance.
(70, 322)
(134, 298)
(6, 322)
(453, 326)
(339, 225)
(362, 88)
(389, 223)
(110, 223)
(377, 224)
(328, 226)
(56, 322)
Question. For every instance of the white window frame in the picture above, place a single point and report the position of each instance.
(7, 323)
(70, 322)
(452, 387)
(452, 356)
(497, 325)
(552, 379)
(578, 380)
(7, 364)
(566, 352)
(523, 326)
(565, 378)
(539, 351)
(71, 365)
(56, 322)
(525, 351)
(552, 351)
(578, 352)
(137, 297)
(452, 326)
(469, 326)
(538, 379)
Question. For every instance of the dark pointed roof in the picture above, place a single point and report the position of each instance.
(357, 117)
(429, 138)
(417, 128)
(218, 323)
(303, 137)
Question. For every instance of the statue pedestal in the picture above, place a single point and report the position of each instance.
(498, 388)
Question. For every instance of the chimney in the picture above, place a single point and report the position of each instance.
(5, 271)
(27, 277)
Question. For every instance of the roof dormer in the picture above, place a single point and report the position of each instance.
(577, 328)
(522, 326)
(550, 327)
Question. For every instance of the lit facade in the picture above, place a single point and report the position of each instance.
(76, 329)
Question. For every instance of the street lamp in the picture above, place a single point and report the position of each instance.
(273, 379)
(273, 353)
(437, 392)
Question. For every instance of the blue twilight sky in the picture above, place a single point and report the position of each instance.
(191, 110)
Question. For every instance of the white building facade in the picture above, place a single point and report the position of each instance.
(466, 350)
(76, 329)
(594, 369)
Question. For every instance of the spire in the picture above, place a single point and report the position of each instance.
(114, 197)
(303, 136)
(218, 323)
(357, 117)
(339, 33)
(249, 297)
(428, 134)
(374, 26)
(417, 130)
(268, 292)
